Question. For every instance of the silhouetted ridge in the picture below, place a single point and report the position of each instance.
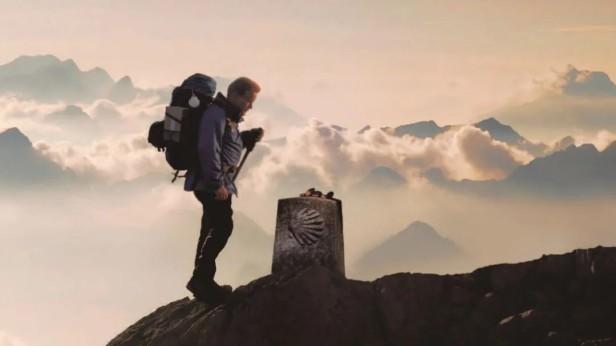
(555, 300)
(580, 171)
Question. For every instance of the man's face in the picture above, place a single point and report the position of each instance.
(243, 102)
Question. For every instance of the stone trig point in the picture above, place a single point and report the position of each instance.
(308, 232)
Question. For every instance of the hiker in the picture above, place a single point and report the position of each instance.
(220, 146)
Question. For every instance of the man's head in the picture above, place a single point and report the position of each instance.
(242, 92)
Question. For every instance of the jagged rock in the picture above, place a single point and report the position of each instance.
(555, 300)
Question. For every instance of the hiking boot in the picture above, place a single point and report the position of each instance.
(210, 293)
(197, 288)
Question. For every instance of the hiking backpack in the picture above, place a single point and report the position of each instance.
(178, 133)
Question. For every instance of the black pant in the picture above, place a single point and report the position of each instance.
(216, 227)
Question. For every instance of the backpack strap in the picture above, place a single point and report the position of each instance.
(197, 170)
(177, 175)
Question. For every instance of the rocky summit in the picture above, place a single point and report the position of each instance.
(567, 299)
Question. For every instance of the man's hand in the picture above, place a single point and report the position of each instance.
(222, 193)
(251, 137)
(260, 133)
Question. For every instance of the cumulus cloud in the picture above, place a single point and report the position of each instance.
(334, 158)
(104, 109)
(573, 102)
(490, 159)
(79, 122)
(275, 125)
(14, 107)
(123, 158)
(319, 153)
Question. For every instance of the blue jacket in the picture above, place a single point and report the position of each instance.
(220, 147)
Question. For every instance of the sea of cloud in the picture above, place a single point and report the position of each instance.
(117, 250)
(338, 158)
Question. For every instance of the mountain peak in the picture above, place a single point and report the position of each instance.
(421, 229)
(421, 129)
(123, 90)
(564, 143)
(418, 225)
(27, 64)
(364, 129)
(491, 122)
(586, 83)
(14, 136)
(97, 69)
(40, 59)
(126, 80)
(500, 131)
(610, 148)
(71, 63)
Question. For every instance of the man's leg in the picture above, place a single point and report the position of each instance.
(219, 214)
(216, 227)
(205, 229)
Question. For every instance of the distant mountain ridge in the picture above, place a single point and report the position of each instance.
(506, 134)
(573, 172)
(47, 78)
(497, 130)
(421, 129)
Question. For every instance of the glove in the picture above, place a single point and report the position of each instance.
(251, 137)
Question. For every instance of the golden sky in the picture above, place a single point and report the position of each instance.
(347, 62)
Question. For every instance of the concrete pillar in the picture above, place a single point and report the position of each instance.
(308, 231)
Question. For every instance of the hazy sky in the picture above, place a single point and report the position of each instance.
(348, 62)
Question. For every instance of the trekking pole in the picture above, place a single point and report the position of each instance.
(237, 172)
(248, 150)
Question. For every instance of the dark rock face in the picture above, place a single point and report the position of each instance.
(565, 299)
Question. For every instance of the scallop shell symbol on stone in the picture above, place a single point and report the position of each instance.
(306, 226)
